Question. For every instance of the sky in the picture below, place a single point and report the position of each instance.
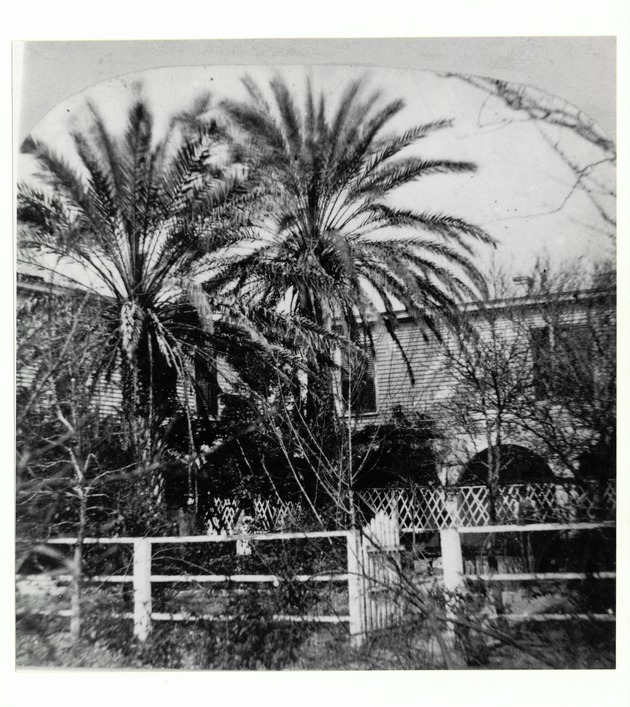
(522, 193)
(582, 69)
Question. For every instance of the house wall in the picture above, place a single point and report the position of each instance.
(434, 379)
(31, 372)
(427, 381)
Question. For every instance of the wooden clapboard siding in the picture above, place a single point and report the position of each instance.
(432, 377)
(108, 397)
(394, 382)
(31, 292)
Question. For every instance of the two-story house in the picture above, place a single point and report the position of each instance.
(530, 378)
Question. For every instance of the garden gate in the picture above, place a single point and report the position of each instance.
(381, 567)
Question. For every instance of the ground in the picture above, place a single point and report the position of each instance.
(572, 645)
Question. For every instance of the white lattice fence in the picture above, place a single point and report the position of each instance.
(432, 510)
(566, 502)
(385, 500)
(610, 498)
(420, 508)
(266, 515)
(590, 504)
(428, 509)
(472, 506)
(272, 516)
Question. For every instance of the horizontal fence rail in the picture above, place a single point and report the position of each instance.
(372, 557)
(142, 577)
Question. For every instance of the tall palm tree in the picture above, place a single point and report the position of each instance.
(332, 247)
(138, 215)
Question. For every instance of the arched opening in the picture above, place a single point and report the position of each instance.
(517, 465)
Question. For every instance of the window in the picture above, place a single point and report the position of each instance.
(562, 358)
(358, 385)
(206, 386)
(540, 339)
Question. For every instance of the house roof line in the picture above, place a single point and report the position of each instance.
(562, 297)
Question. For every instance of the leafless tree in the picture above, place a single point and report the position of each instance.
(70, 452)
(591, 158)
(541, 367)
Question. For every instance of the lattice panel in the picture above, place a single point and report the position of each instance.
(432, 509)
(381, 500)
(406, 508)
(420, 509)
(473, 506)
(610, 497)
(266, 517)
(582, 502)
(532, 503)
(269, 516)
(225, 516)
(587, 503)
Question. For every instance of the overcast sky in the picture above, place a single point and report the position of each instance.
(580, 69)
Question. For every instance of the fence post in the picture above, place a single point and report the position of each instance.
(356, 588)
(141, 588)
(450, 542)
(452, 562)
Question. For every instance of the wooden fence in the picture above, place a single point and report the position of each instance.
(520, 509)
(371, 561)
(381, 569)
(373, 556)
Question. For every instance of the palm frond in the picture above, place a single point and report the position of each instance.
(396, 174)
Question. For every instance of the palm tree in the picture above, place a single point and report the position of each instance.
(332, 249)
(138, 215)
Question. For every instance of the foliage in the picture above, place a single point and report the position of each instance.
(137, 215)
(331, 248)
(254, 640)
(193, 254)
(579, 378)
(332, 174)
(70, 451)
(398, 452)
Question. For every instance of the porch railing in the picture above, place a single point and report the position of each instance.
(422, 508)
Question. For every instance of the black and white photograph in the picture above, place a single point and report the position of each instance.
(315, 355)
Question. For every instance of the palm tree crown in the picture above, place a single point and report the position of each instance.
(331, 245)
(139, 214)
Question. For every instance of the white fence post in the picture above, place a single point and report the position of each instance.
(142, 588)
(356, 588)
(452, 561)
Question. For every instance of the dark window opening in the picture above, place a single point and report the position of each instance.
(574, 350)
(562, 359)
(541, 359)
(358, 385)
(206, 386)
